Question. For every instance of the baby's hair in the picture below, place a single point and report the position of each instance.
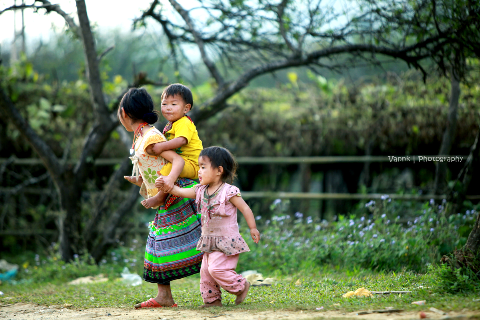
(181, 90)
(219, 156)
(138, 105)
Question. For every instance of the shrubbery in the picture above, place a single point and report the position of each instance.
(383, 239)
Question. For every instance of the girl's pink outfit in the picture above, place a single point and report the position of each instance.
(221, 243)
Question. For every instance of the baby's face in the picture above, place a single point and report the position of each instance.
(174, 107)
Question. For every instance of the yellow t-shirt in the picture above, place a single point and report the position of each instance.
(184, 127)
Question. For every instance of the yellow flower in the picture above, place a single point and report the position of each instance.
(406, 247)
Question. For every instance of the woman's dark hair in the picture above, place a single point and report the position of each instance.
(219, 156)
(181, 90)
(138, 105)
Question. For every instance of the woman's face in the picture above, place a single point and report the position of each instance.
(124, 120)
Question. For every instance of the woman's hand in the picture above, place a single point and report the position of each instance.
(138, 181)
(255, 235)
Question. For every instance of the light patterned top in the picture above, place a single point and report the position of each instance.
(148, 166)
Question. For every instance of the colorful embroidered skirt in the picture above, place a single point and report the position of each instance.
(171, 245)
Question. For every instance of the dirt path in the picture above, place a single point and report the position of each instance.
(22, 311)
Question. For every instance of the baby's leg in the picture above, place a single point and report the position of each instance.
(210, 290)
(222, 268)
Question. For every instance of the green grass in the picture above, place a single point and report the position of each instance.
(316, 290)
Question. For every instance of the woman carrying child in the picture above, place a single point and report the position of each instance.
(171, 245)
(221, 241)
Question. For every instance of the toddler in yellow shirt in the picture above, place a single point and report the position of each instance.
(182, 137)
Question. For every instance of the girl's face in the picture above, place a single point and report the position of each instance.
(124, 120)
(208, 174)
(174, 107)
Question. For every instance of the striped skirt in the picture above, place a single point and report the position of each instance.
(171, 251)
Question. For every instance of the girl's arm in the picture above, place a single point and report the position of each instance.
(176, 190)
(177, 166)
(248, 214)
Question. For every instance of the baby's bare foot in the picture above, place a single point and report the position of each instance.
(151, 203)
(242, 295)
(216, 303)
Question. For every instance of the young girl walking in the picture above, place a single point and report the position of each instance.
(170, 251)
(220, 241)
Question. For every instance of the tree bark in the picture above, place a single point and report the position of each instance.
(70, 222)
(440, 185)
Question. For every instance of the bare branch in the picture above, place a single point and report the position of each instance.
(104, 53)
(199, 41)
(28, 182)
(56, 8)
(281, 24)
(217, 103)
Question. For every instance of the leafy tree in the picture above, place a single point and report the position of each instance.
(239, 41)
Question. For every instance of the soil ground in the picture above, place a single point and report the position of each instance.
(22, 311)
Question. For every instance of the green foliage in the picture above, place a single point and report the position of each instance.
(382, 239)
(454, 280)
(49, 267)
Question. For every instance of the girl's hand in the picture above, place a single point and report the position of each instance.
(255, 235)
(168, 184)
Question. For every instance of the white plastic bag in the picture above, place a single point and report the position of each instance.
(131, 279)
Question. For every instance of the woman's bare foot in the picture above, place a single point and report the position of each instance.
(216, 303)
(135, 180)
(243, 294)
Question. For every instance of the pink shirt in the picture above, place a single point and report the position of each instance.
(219, 221)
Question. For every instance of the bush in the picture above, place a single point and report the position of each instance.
(379, 240)
(454, 280)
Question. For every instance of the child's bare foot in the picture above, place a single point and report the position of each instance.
(243, 294)
(216, 303)
(152, 202)
(135, 180)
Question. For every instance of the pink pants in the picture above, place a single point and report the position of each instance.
(218, 270)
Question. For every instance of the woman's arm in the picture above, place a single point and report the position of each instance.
(248, 214)
(177, 166)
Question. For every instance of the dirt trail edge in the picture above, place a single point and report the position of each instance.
(21, 311)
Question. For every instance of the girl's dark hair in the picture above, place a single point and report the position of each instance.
(219, 156)
(181, 90)
(138, 105)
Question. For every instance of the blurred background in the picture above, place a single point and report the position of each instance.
(312, 97)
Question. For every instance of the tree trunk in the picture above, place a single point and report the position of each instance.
(440, 186)
(469, 255)
(69, 191)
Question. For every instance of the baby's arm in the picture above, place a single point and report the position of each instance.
(248, 214)
(177, 166)
(177, 191)
(156, 149)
